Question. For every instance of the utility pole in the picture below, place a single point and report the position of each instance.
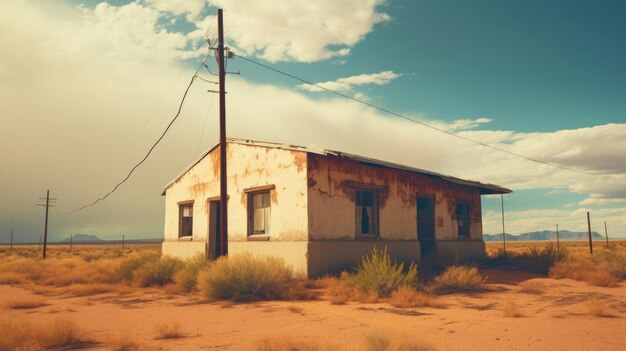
(589, 229)
(557, 237)
(123, 240)
(503, 232)
(606, 233)
(11, 249)
(71, 241)
(45, 231)
(223, 176)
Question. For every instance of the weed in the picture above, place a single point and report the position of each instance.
(379, 274)
(128, 266)
(169, 331)
(158, 273)
(459, 279)
(409, 297)
(63, 334)
(244, 277)
(510, 309)
(532, 287)
(596, 307)
(186, 277)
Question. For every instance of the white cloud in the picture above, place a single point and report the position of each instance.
(298, 30)
(462, 124)
(191, 8)
(347, 84)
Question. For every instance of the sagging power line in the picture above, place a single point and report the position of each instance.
(409, 119)
(180, 107)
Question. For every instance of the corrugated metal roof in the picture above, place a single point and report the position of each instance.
(485, 188)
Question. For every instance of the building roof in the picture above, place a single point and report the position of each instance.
(485, 188)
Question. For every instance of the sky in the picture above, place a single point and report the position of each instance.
(86, 87)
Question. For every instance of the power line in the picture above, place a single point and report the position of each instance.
(410, 119)
(180, 106)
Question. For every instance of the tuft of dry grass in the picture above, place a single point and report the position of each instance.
(367, 342)
(24, 302)
(510, 309)
(532, 287)
(602, 278)
(90, 289)
(10, 278)
(459, 279)
(585, 269)
(338, 291)
(169, 331)
(63, 334)
(408, 297)
(245, 277)
(596, 307)
(124, 343)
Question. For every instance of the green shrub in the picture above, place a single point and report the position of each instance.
(186, 278)
(157, 273)
(130, 264)
(244, 277)
(377, 273)
(459, 279)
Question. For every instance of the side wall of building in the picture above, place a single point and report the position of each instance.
(249, 168)
(331, 197)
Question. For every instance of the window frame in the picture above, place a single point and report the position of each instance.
(465, 217)
(358, 209)
(250, 209)
(181, 206)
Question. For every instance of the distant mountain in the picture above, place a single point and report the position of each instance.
(544, 236)
(84, 238)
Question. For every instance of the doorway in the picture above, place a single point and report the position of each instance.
(426, 225)
(214, 230)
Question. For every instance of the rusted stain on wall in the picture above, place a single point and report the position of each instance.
(198, 189)
(214, 158)
(299, 160)
(274, 196)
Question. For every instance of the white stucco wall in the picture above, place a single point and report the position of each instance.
(248, 167)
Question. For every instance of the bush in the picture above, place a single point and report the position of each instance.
(129, 265)
(459, 279)
(408, 297)
(157, 273)
(378, 274)
(606, 268)
(244, 277)
(186, 278)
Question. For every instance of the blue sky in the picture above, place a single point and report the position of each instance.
(541, 78)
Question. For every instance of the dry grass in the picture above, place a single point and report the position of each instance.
(92, 289)
(585, 269)
(124, 343)
(459, 279)
(367, 342)
(338, 291)
(11, 278)
(59, 334)
(24, 302)
(408, 297)
(169, 331)
(532, 287)
(510, 309)
(596, 307)
(245, 277)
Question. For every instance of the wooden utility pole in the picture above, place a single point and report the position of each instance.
(589, 229)
(557, 237)
(11, 249)
(71, 241)
(503, 232)
(45, 231)
(223, 176)
(606, 233)
(123, 242)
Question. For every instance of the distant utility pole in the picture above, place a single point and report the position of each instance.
(71, 241)
(223, 176)
(557, 237)
(45, 231)
(11, 249)
(503, 232)
(589, 229)
(123, 239)
(606, 233)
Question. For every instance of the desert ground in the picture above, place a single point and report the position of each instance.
(515, 309)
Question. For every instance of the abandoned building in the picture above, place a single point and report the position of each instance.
(321, 210)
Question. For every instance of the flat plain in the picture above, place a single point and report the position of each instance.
(77, 300)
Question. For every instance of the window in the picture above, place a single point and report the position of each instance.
(462, 218)
(259, 213)
(366, 212)
(185, 227)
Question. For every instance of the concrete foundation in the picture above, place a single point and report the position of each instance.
(335, 256)
(183, 249)
(461, 249)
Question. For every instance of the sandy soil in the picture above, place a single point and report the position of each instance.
(558, 319)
